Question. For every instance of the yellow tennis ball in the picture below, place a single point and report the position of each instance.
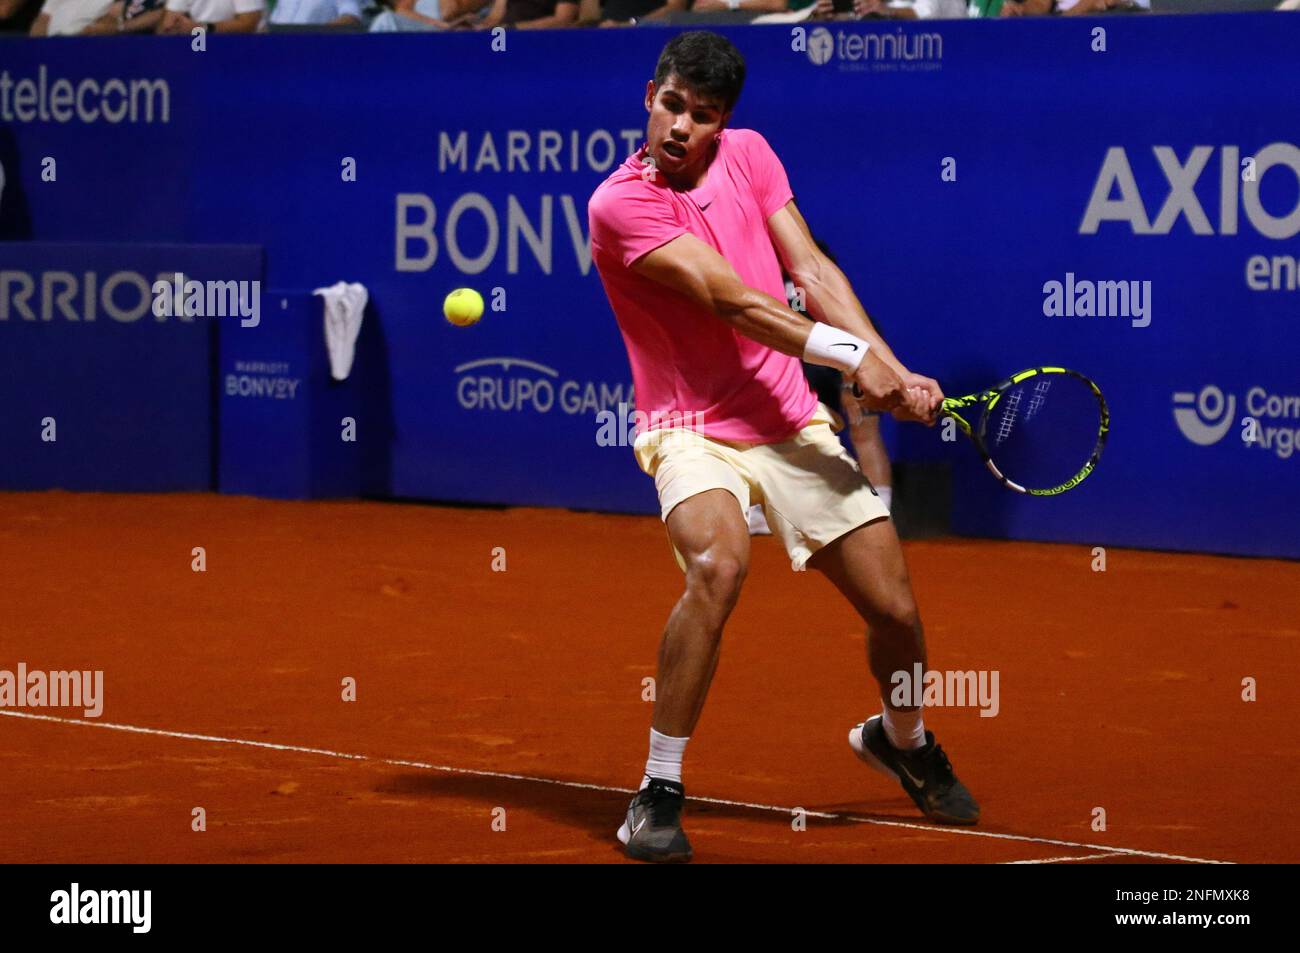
(463, 307)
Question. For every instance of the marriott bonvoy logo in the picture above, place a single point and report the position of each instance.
(898, 50)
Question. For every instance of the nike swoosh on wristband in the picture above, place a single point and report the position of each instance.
(845, 344)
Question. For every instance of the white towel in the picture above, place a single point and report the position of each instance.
(345, 305)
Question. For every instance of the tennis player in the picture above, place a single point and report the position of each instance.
(689, 236)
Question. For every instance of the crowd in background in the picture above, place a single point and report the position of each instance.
(104, 17)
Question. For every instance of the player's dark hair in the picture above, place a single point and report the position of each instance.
(707, 62)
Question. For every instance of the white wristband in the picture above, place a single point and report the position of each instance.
(831, 347)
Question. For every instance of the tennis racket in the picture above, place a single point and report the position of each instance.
(1040, 432)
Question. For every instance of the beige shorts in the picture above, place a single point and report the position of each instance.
(811, 490)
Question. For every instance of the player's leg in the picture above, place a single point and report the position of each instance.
(709, 533)
(867, 566)
(829, 517)
(702, 496)
(872, 456)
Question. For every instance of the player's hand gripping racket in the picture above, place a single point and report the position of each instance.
(1040, 432)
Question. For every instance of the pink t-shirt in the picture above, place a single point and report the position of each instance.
(685, 359)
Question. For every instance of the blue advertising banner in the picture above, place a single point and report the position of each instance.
(287, 429)
(106, 384)
(1002, 195)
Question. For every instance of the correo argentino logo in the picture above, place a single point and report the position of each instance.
(1205, 417)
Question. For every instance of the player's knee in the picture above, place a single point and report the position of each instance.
(897, 616)
(716, 577)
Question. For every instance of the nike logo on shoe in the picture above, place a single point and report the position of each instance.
(917, 783)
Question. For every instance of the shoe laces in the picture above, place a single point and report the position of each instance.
(665, 806)
(937, 765)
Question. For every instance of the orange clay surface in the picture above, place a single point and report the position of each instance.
(522, 690)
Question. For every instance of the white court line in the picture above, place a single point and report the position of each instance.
(1064, 860)
(400, 763)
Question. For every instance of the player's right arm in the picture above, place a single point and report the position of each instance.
(694, 269)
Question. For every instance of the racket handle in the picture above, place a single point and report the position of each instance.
(857, 391)
(859, 395)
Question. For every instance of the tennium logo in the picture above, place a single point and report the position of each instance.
(821, 45)
(900, 49)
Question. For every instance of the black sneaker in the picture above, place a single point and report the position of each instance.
(653, 828)
(926, 774)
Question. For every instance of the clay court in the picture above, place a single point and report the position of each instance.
(522, 689)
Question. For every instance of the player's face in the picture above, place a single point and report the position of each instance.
(682, 126)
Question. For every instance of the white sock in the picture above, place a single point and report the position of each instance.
(886, 494)
(665, 759)
(904, 729)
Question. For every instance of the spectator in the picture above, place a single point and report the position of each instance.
(425, 15)
(1015, 8)
(749, 6)
(67, 17)
(530, 14)
(1072, 8)
(320, 12)
(218, 16)
(128, 16)
(1038, 8)
(627, 12)
(17, 16)
(452, 11)
(410, 16)
(915, 10)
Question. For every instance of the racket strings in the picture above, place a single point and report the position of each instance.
(1043, 432)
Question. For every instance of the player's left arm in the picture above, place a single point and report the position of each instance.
(827, 293)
